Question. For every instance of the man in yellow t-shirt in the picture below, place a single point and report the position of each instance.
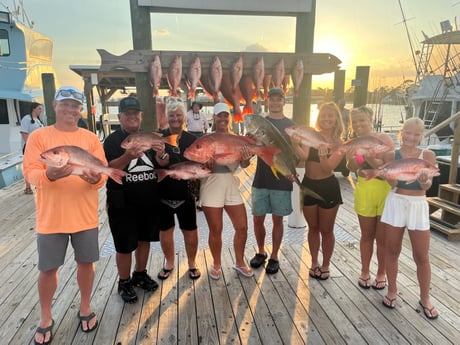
(66, 209)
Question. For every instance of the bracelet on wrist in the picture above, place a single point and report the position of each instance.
(164, 156)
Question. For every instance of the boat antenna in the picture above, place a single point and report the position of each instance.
(17, 11)
(407, 33)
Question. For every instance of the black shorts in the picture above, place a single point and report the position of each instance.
(328, 188)
(131, 225)
(186, 215)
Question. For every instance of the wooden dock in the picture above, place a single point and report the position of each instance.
(286, 308)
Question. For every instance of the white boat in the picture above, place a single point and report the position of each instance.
(435, 95)
(25, 55)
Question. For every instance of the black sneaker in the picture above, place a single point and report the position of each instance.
(126, 291)
(272, 267)
(258, 260)
(143, 280)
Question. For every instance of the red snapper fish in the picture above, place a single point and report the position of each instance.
(258, 74)
(404, 169)
(226, 149)
(308, 136)
(236, 72)
(193, 77)
(364, 144)
(266, 84)
(81, 161)
(144, 140)
(297, 75)
(278, 73)
(232, 96)
(184, 171)
(174, 75)
(248, 92)
(155, 74)
(215, 78)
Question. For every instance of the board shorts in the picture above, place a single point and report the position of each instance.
(271, 201)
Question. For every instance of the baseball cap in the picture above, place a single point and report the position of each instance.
(129, 103)
(69, 92)
(276, 91)
(220, 107)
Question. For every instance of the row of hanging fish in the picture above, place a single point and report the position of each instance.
(235, 86)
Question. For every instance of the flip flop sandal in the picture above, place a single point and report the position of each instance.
(87, 319)
(391, 300)
(215, 273)
(43, 332)
(314, 272)
(378, 284)
(194, 273)
(364, 285)
(164, 273)
(245, 272)
(320, 277)
(428, 310)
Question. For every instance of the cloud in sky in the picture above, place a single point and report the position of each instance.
(161, 32)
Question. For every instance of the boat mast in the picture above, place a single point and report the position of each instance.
(408, 35)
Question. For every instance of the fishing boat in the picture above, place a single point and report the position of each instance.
(435, 95)
(25, 55)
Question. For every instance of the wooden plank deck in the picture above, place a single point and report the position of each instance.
(286, 308)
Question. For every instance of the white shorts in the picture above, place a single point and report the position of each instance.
(219, 190)
(406, 211)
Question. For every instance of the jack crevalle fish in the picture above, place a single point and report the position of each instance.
(286, 160)
(404, 169)
(144, 140)
(187, 170)
(174, 75)
(226, 149)
(193, 77)
(81, 161)
(155, 74)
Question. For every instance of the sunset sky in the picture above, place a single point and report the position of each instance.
(359, 32)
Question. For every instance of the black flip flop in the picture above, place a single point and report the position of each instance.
(87, 319)
(164, 273)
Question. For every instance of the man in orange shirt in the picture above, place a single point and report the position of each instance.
(66, 208)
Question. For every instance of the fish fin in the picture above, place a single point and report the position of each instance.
(116, 175)
(248, 110)
(275, 172)
(191, 94)
(237, 118)
(161, 173)
(307, 191)
(171, 139)
(370, 173)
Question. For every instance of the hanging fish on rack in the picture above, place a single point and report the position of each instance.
(174, 75)
(236, 72)
(278, 73)
(193, 77)
(155, 74)
(258, 74)
(297, 72)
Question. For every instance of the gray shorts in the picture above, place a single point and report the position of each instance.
(52, 248)
(265, 201)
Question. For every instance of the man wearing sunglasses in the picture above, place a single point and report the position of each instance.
(66, 209)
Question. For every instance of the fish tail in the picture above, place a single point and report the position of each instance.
(307, 191)
(370, 173)
(275, 172)
(237, 117)
(116, 175)
(161, 173)
(155, 92)
(191, 94)
(247, 110)
(172, 139)
(173, 93)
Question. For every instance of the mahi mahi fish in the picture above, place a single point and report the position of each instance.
(286, 160)
(404, 170)
(226, 149)
(81, 161)
(187, 170)
(144, 140)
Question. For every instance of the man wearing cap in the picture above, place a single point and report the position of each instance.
(197, 124)
(66, 209)
(131, 206)
(271, 194)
